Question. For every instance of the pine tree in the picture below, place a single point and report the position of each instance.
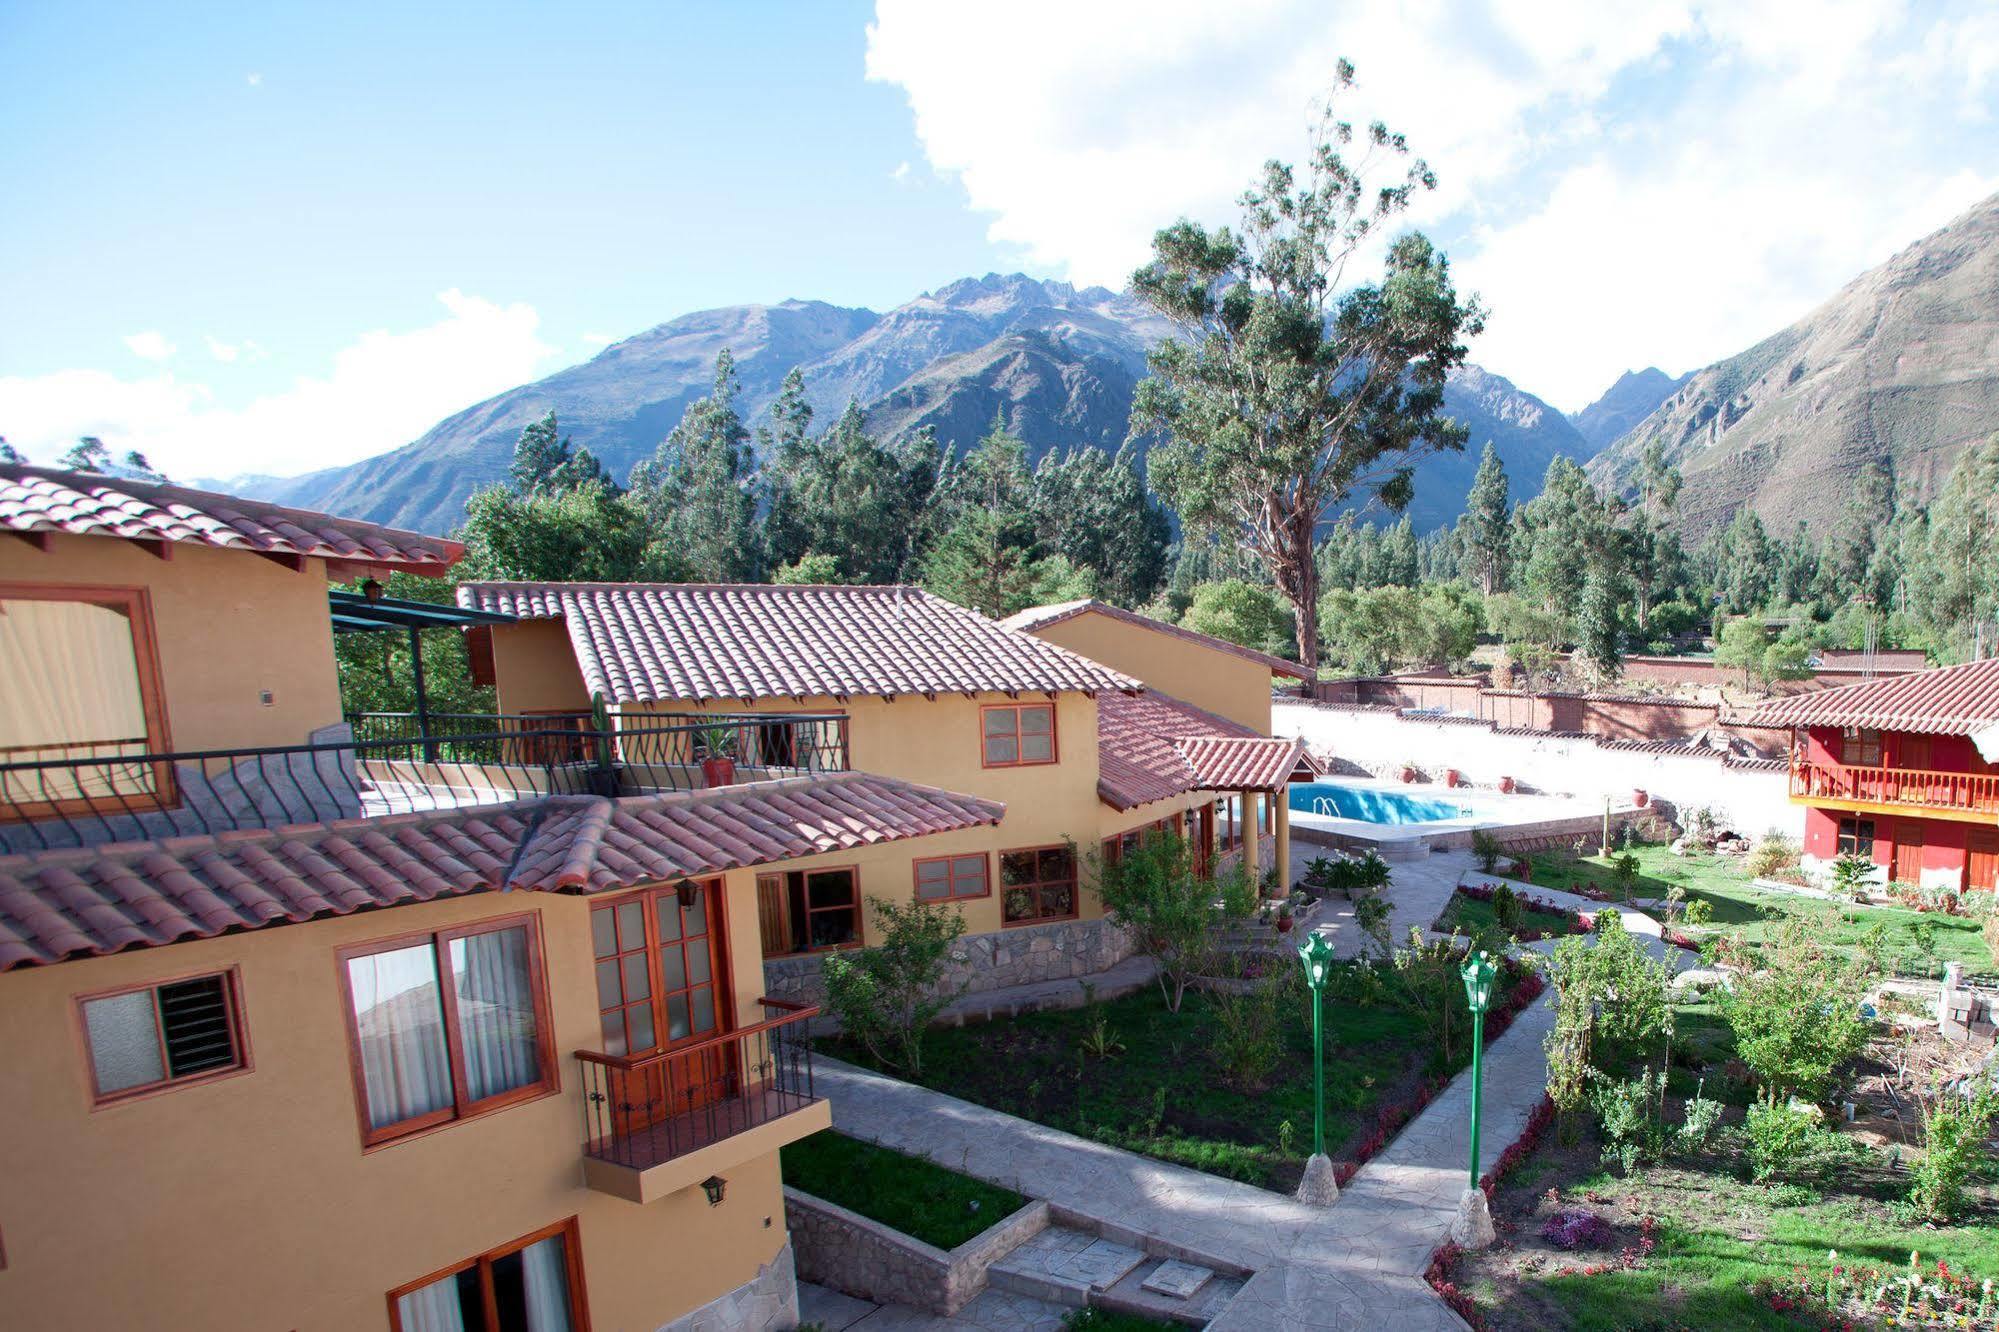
(1599, 636)
(1094, 510)
(545, 461)
(1484, 532)
(89, 455)
(699, 488)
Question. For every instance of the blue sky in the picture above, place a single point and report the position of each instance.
(272, 237)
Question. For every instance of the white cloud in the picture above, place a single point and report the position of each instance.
(1663, 181)
(381, 391)
(151, 345)
(229, 353)
(254, 80)
(901, 173)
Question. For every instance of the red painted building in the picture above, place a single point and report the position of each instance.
(1903, 771)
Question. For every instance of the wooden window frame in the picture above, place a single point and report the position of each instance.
(1839, 836)
(860, 936)
(951, 877)
(1854, 739)
(1229, 823)
(1054, 742)
(1113, 848)
(572, 1258)
(136, 604)
(239, 1035)
(1074, 881)
(461, 1108)
(648, 899)
(1266, 814)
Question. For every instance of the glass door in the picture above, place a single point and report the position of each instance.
(661, 979)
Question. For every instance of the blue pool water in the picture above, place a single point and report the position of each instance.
(1371, 805)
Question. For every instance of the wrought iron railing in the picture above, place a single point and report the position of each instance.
(387, 768)
(642, 1110)
(1920, 787)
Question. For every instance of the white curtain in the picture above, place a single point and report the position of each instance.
(399, 1016)
(545, 1277)
(496, 1023)
(433, 1308)
(72, 688)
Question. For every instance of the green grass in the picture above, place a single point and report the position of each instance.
(906, 1193)
(1473, 917)
(1745, 912)
(1094, 1319)
(1163, 1093)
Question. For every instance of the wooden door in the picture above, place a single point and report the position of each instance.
(1908, 852)
(661, 984)
(1981, 859)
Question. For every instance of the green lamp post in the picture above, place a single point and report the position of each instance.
(1473, 1228)
(1319, 1184)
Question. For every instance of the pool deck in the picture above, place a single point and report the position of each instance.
(1517, 815)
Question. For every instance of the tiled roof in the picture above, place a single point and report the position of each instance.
(1951, 700)
(45, 499)
(1143, 751)
(96, 900)
(691, 642)
(1038, 617)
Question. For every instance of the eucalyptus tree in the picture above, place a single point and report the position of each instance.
(1289, 392)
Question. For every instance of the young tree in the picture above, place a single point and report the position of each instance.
(1484, 530)
(809, 568)
(1286, 396)
(588, 534)
(1795, 1008)
(1243, 613)
(89, 455)
(1741, 645)
(886, 996)
(1599, 632)
(1172, 912)
(699, 488)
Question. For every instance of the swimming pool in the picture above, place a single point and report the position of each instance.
(1370, 804)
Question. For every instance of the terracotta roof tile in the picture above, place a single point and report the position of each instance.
(91, 901)
(689, 642)
(1950, 700)
(1039, 617)
(1153, 746)
(1260, 764)
(47, 499)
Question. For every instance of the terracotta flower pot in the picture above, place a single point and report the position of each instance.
(1408, 774)
(1640, 799)
(1284, 924)
(1506, 785)
(718, 771)
(1451, 777)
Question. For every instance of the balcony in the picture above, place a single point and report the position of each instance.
(388, 763)
(1972, 797)
(658, 1123)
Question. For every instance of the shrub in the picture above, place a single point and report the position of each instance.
(1155, 893)
(1246, 1040)
(1774, 854)
(1849, 875)
(1486, 849)
(1954, 1129)
(1371, 914)
(1506, 909)
(1575, 1228)
(1699, 911)
(1795, 1008)
(886, 995)
(1780, 1137)
(1625, 1113)
(1700, 1117)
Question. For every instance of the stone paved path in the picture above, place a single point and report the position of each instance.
(991, 1311)
(1356, 1265)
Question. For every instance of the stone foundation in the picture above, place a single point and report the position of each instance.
(1060, 950)
(864, 1258)
(767, 1302)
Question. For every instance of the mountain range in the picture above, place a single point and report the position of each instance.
(1898, 369)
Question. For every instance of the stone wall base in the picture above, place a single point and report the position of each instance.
(1060, 950)
(767, 1302)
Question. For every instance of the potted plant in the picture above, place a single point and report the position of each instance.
(718, 756)
(1451, 777)
(1640, 798)
(1408, 772)
(1506, 785)
(1284, 921)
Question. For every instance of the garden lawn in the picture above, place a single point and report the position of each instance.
(906, 1193)
(1154, 1086)
(1744, 912)
(1469, 916)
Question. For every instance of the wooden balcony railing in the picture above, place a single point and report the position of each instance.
(643, 1110)
(1920, 788)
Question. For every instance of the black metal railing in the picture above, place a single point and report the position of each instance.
(643, 1110)
(386, 768)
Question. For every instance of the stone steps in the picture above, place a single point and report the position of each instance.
(1191, 1295)
(1064, 1266)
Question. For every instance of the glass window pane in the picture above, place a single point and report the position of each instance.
(694, 916)
(608, 993)
(124, 1041)
(1059, 900)
(830, 888)
(498, 1036)
(614, 1033)
(1002, 749)
(697, 963)
(933, 892)
(676, 1016)
(531, 1288)
(1018, 904)
(1057, 864)
(1016, 867)
(399, 1023)
(933, 871)
(453, 1304)
(631, 925)
(603, 932)
(1037, 721)
(704, 1011)
(672, 970)
(1037, 749)
(638, 1028)
(84, 702)
(830, 929)
(669, 917)
(970, 870)
(1000, 721)
(638, 985)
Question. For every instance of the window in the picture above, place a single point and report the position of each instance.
(1126, 842)
(1266, 813)
(1228, 823)
(1018, 734)
(180, 1031)
(1037, 884)
(1856, 837)
(1860, 748)
(950, 878)
(82, 685)
(448, 1025)
(808, 911)
(534, 1284)
(659, 967)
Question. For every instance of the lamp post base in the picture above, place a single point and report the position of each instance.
(1472, 1228)
(1320, 1187)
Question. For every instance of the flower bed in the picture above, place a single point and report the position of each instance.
(1577, 922)
(1849, 1295)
